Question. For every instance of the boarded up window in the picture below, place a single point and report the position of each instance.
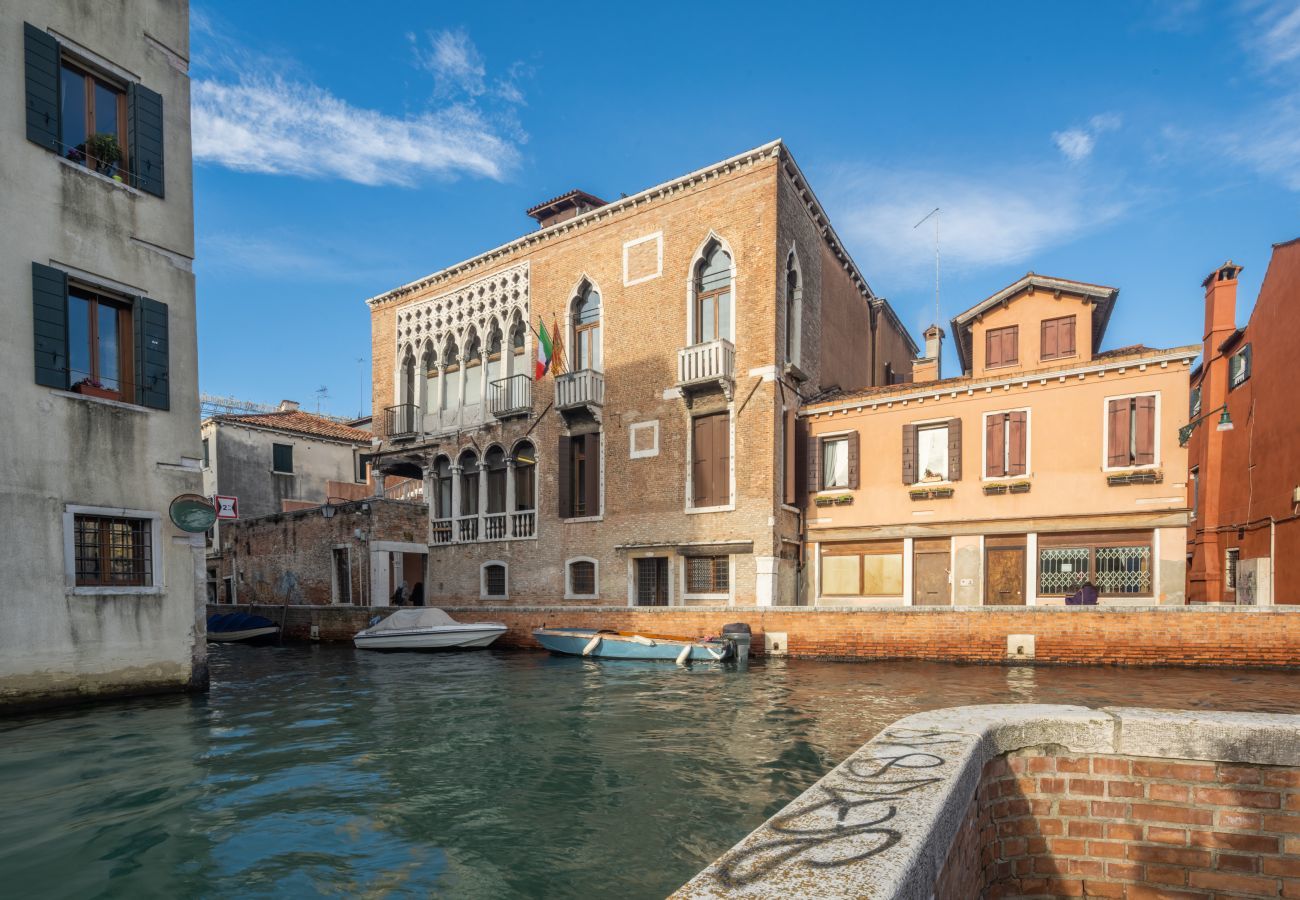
(1002, 346)
(1058, 337)
(1006, 436)
(862, 570)
(711, 460)
(1131, 432)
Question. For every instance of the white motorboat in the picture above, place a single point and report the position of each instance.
(426, 628)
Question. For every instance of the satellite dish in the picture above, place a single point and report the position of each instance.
(193, 513)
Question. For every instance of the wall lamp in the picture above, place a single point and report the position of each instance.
(1225, 424)
(331, 506)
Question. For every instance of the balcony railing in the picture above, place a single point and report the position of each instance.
(586, 387)
(410, 490)
(400, 421)
(523, 524)
(511, 396)
(714, 361)
(505, 526)
(440, 531)
(467, 529)
(494, 526)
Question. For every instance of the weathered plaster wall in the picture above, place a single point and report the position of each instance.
(243, 467)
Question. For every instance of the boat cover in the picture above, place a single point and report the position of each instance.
(411, 619)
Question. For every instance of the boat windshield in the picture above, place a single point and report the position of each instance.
(408, 619)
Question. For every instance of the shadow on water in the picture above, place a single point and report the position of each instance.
(317, 770)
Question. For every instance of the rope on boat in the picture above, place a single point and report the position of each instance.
(591, 646)
(684, 656)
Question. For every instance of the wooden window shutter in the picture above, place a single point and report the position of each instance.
(1018, 438)
(1011, 345)
(995, 446)
(565, 480)
(789, 487)
(42, 66)
(954, 449)
(721, 459)
(152, 378)
(992, 348)
(592, 472)
(701, 461)
(50, 314)
(1067, 336)
(854, 445)
(1051, 338)
(909, 454)
(144, 115)
(1144, 421)
(1117, 433)
(814, 463)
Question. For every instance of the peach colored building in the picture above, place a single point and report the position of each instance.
(1047, 462)
(650, 466)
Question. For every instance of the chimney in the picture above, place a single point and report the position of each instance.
(1221, 302)
(288, 406)
(928, 367)
(563, 207)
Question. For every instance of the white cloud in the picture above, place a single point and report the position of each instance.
(1269, 141)
(1274, 32)
(1077, 144)
(283, 127)
(1006, 217)
(455, 63)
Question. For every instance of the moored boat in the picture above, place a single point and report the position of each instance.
(733, 643)
(240, 627)
(426, 628)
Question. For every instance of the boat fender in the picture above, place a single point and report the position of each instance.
(714, 653)
(641, 639)
(591, 646)
(684, 656)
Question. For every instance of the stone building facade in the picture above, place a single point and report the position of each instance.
(654, 462)
(99, 592)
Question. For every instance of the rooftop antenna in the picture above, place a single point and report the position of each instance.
(935, 213)
(361, 397)
(322, 393)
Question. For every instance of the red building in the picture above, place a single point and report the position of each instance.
(1244, 480)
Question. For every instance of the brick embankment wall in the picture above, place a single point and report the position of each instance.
(1178, 636)
(1117, 826)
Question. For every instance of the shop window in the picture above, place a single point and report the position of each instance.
(862, 570)
(1117, 565)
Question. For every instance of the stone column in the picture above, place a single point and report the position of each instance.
(510, 496)
(455, 499)
(766, 586)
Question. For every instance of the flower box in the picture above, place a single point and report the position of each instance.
(997, 488)
(1020, 487)
(1148, 476)
(845, 500)
(824, 501)
(930, 493)
(90, 389)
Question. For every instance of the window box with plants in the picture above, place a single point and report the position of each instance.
(1142, 476)
(90, 388)
(935, 493)
(834, 500)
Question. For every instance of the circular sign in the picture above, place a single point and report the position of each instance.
(193, 513)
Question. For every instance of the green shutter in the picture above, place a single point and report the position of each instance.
(145, 126)
(50, 314)
(152, 383)
(42, 64)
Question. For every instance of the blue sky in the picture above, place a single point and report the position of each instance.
(1135, 144)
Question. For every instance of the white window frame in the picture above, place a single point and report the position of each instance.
(728, 597)
(633, 430)
(156, 569)
(1105, 433)
(931, 425)
(696, 259)
(1029, 445)
(482, 580)
(822, 440)
(657, 236)
(568, 578)
(730, 505)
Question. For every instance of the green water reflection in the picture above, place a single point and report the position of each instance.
(318, 770)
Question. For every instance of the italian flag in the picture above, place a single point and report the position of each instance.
(544, 350)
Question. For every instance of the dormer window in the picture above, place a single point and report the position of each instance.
(1002, 346)
(1058, 338)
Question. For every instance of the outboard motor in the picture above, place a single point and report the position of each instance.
(739, 635)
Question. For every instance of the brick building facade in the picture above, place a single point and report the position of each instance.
(654, 463)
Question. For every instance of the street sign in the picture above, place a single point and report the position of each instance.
(192, 513)
(227, 507)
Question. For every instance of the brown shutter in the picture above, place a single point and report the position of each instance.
(565, 480)
(1118, 439)
(701, 457)
(814, 464)
(954, 449)
(854, 466)
(992, 348)
(1018, 436)
(1011, 345)
(1051, 338)
(1067, 337)
(909, 454)
(994, 446)
(591, 452)
(721, 459)
(1145, 423)
(789, 481)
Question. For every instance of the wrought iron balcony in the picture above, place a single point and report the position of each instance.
(511, 396)
(707, 365)
(400, 421)
(574, 390)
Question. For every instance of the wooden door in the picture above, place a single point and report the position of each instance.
(930, 579)
(652, 581)
(1004, 576)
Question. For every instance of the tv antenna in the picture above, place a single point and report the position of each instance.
(935, 213)
(322, 393)
(361, 397)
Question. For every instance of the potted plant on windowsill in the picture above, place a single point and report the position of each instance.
(843, 500)
(91, 388)
(1139, 476)
(104, 153)
(1019, 487)
(824, 501)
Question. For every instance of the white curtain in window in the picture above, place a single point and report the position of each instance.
(932, 453)
(835, 463)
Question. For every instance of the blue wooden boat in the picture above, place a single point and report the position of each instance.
(240, 627)
(610, 644)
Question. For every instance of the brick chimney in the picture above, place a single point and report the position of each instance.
(1220, 303)
(288, 406)
(565, 206)
(928, 368)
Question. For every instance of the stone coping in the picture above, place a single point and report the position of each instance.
(880, 824)
(741, 611)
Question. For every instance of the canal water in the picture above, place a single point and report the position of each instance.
(321, 771)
